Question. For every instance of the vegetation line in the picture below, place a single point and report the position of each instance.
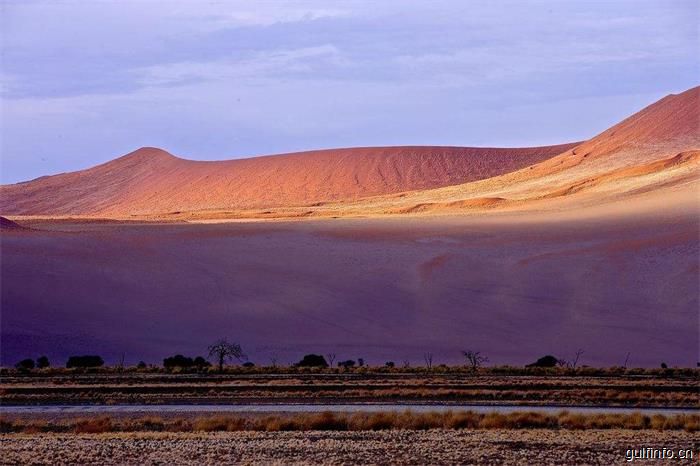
(362, 421)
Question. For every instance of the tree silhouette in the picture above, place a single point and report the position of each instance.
(475, 359)
(222, 350)
(25, 364)
(428, 358)
(312, 360)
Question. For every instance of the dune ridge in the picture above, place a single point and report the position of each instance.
(150, 180)
(653, 150)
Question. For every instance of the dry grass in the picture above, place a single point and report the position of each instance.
(156, 388)
(97, 425)
(362, 421)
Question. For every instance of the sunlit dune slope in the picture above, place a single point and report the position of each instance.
(653, 151)
(150, 181)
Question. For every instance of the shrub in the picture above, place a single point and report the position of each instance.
(372, 421)
(152, 423)
(635, 421)
(200, 362)
(493, 421)
(326, 421)
(531, 420)
(346, 364)
(84, 361)
(179, 425)
(177, 361)
(25, 364)
(6, 426)
(248, 364)
(572, 421)
(419, 421)
(312, 360)
(545, 361)
(360, 421)
(276, 424)
(462, 420)
(42, 362)
(218, 423)
(141, 365)
(93, 426)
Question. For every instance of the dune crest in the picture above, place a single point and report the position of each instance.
(654, 148)
(151, 181)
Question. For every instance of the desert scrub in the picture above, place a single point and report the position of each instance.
(362, 421)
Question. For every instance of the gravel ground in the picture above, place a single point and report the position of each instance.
(316, 447)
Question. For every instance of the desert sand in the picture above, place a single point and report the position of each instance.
(151, 181)
(517, 253)
(392, 447)
(382, 289)
(656, 148)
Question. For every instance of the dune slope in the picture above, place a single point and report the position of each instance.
(654, 150)
(151, 180)
(651, 151)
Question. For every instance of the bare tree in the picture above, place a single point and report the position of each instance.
(570, 364)
(406, 364)
(579, 352)
(428, 358)
(627, 358)
(330, 357)
(475, 359)
(273, 359)
(222, 350)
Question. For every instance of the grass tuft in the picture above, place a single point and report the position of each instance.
(361, 421)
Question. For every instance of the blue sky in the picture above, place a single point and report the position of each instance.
(84, 82)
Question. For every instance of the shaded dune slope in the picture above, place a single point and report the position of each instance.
(151, 180)
(8, 225)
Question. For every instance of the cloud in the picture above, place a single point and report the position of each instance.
(215, 16)
(286, 63)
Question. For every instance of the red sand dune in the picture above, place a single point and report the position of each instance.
(659, 131)
(653, 150)
(151, 180)
(675, 119)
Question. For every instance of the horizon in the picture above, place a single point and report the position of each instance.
(216, 82)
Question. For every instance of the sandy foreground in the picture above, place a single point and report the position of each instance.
(318, 447)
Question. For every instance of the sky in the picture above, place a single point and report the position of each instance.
(83, 82)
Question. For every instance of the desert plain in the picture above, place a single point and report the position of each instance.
(385, 254)
(384, 289)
